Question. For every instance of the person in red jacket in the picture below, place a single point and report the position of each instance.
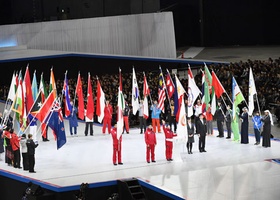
(117, 146)
(16, 148)
(108, 111)
(151, 141)
(168, 141)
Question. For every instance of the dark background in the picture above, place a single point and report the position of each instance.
(197, 22)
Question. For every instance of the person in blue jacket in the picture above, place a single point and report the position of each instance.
(257, 127)
(155, 117)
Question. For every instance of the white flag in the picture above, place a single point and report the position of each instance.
(252, 92)
(182, 124)
(135, 94)
(12, 91)
(193, 92)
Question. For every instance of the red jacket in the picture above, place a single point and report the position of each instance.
(15, 142)
(108, 111)
(150, 137)
(114, 136)
(168, 133)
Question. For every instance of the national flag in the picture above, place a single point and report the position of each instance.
(180, 92)
(135, 93)
(193, 92)
(146, 92)
(37, 104)
(252, 92)
(34, 86)
(44, 94)
(90, 103)
(176, 101)
(207, 89)
(237, 97)
(18, 103)
(182, 130)
(218, 87)
(13, 88)
(27, 90)
(80, 95)
(121, 105)
(46, 107)
(55, 122)
(52, 85)
(43, 88)
(67, 105)
(169, 85)
(100, 102)
(213, 105)
(161, 92)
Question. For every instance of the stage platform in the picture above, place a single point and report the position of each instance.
(229, 170)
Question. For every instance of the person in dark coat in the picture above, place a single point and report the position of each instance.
(191, 131)
(266, 133)
(228, 121)
(244, 117)
(31, 152)
(220, 117)
(73, 121)
(201, 130)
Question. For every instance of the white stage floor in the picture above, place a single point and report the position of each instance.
(228, 171)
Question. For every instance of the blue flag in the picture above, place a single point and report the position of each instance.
(55, 122)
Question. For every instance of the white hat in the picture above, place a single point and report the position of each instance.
(266, 111)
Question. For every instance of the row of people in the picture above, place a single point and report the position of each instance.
(17, 147)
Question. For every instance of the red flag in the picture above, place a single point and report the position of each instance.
(46, 107)
(90, 103)
(219, 89)
(169, 85)
(79, 92)
(146, 90)
(27, 90)
(100, 102)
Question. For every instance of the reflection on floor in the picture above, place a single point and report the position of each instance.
(229, 170)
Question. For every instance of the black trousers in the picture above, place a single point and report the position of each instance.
(17, 158)
(189, 147)
(31, 160)
(25, 161)
(228, 124)
(220, 127)
(90, 125)
(201, 143)
(143, 124)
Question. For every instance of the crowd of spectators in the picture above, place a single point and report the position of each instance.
(266, 75)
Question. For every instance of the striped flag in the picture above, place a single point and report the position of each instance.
(52, 85)
(146, 92)
(161, 92)
(13, 88)
(218, 88)
(237, 97)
